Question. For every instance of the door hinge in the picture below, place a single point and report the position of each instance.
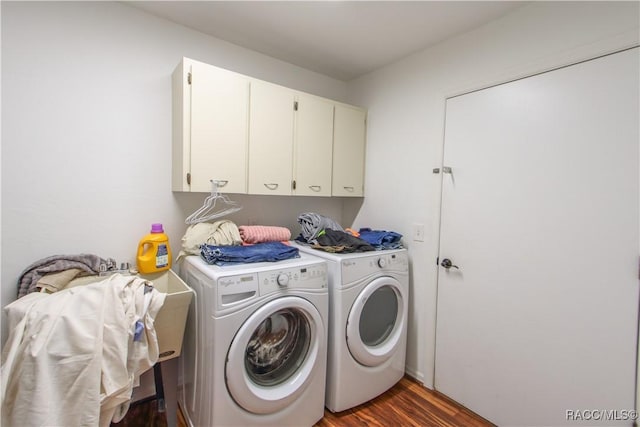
(295, 105)
(293, 184)
(189, 78)
(189, 178)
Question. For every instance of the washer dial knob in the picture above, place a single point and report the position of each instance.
(382, 263)
(283, 279)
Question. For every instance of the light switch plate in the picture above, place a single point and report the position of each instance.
(418, 232)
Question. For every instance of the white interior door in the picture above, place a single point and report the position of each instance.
(540, 214)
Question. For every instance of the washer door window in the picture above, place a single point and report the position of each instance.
(274, 355)
(376, 321)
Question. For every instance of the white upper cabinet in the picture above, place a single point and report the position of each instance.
(211, 133)
(290, 142)
(256, 137)
(349, 139)
(313, 146)
(270, 139)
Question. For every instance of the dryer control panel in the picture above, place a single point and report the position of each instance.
(392, 262)
(312, 276)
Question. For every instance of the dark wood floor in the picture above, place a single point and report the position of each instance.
(408, 403)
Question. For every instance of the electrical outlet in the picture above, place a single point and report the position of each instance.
(418, 232)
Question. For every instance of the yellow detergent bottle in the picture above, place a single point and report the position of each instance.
(154, 253)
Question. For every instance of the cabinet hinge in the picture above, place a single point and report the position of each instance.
(295, 105)
(293, 184)
(189, 78)
(189, 178)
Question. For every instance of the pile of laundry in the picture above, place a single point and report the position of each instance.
(324, 233)
(78, 343)
(58, 272)
(224, 243)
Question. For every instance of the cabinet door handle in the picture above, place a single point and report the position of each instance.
(315, 188)
(271, 186)
(349, 189)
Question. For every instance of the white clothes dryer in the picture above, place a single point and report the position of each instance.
(255, 343)
(368, 311)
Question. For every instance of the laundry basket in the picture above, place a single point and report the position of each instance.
(172, 317)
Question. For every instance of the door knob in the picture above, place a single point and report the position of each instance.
(446, 263)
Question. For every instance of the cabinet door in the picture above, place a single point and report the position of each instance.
(271, 139)
(313, 146)
(219, 129)
(348, 151)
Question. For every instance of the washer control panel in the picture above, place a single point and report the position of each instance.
(233, 290)
(282, 279)
(312, 276)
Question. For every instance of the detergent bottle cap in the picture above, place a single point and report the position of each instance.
(157, 228)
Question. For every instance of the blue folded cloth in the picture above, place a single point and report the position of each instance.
(381, 239)
(261, 252)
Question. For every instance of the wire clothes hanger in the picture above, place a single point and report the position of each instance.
(215, 206)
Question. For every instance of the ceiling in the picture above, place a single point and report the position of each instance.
(340, 39)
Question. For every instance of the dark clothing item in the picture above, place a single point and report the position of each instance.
(312, 224)
(261, 252)
(348, 242)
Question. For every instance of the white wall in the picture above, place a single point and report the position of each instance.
(86, 131)
(406, 102)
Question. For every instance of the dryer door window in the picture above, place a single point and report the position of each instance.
(376, 321)
(275, 355)
(378, 316)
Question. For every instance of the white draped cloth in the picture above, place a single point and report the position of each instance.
(74, 356)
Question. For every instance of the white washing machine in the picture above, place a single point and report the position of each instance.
(255, 343)
(368, 310)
